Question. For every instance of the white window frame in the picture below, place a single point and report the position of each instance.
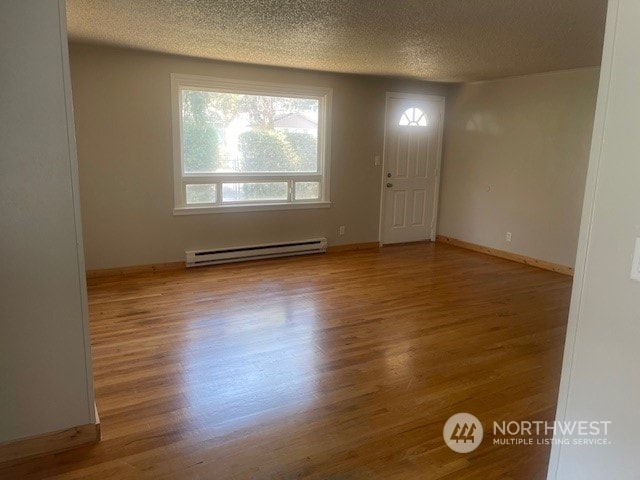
(181, 82)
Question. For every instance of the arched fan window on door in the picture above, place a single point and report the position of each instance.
(413, 117)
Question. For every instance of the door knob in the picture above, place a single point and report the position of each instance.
(388, 175)
(389, 185)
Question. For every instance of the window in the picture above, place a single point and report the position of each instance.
(249, 146)
(413, 117)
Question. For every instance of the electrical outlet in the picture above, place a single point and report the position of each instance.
(341, 230)
(507, 237)
(635, 265)
(376, 160)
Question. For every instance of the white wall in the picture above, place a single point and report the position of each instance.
(601, 370)
(45, 371)
(515, 159)
(122, 101)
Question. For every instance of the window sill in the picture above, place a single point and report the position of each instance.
(248, 207)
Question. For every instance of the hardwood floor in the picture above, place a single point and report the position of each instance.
(339, 366)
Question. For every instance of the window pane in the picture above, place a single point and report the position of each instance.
(246, 192)
(200, 133)
(201, 193)
(307, 190)
(238, 133)
(413, 117)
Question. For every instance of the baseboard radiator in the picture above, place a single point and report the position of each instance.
(197, 258)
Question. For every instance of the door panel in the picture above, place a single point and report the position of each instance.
(411, 160)
(402, 157)
(419, 201)
(422, 166)
(399, 208)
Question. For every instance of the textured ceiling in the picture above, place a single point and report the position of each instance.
(441, 40)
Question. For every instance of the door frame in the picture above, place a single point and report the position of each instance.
(440, 99)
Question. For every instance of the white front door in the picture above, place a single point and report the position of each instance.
(413, 145)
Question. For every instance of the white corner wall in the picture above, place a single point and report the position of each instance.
(45, 370)
(515, 160)
(601, 373)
